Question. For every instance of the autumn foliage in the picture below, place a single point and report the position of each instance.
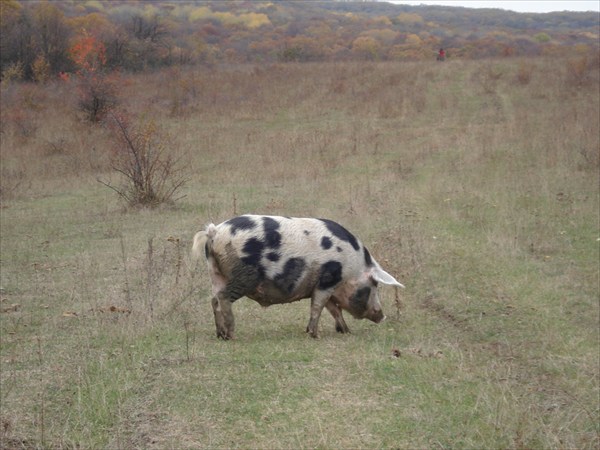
(96, 88)
(88, 54)
(43, 39)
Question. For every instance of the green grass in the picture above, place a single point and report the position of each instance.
(483, 201)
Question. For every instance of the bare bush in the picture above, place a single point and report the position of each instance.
(152, 176)
(97, 96)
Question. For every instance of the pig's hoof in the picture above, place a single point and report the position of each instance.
(341, 329)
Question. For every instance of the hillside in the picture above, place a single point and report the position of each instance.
(140, 35)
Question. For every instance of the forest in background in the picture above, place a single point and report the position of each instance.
(40, 38)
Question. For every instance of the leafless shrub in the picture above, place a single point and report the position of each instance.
(152, 176)
(97, 96)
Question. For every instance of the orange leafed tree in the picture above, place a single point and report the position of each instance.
(88, 53)
(97, 90)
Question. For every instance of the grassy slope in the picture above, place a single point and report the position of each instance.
(479, 192)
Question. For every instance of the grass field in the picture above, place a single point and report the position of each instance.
(475, 183)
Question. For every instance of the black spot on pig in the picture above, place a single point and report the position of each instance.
(273, 256)
(272, 236)
(292, 272)
(360, 300)
(253, 249)
(341, 233)
(240, 223)
(244, 280)
(330, 274)
(326, 243)
(368, 259)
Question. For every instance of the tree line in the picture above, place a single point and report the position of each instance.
(37, 38)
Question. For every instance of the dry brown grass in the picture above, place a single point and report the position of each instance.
(476, 189)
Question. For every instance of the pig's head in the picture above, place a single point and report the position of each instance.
(360, 298)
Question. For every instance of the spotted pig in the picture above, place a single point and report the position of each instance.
(274, 260)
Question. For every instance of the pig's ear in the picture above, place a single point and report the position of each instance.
(382, 276)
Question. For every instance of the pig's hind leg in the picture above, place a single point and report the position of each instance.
(224, 320)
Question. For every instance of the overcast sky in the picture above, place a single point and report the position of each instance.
(538, 6)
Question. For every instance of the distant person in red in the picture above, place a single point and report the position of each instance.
(441, 55)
